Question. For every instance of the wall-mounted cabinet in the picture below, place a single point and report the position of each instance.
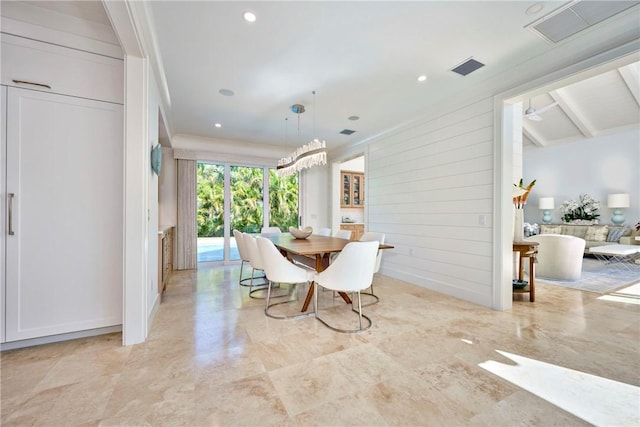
(352, 193)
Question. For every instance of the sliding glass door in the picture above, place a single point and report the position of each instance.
(244, 198)
(283, 201)
(210, 218)
(247, 199)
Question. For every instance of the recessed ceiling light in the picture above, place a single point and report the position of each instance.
(226, 92)
(218, 125)
(249, 16)
(353, 118)
(534, 8)
(422, 78)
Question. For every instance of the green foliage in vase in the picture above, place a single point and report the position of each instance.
(246, 199)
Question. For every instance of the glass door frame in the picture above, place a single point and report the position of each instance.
(227, 232)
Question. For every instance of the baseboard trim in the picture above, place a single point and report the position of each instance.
(60, 337)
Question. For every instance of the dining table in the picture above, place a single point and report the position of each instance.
(318, 249)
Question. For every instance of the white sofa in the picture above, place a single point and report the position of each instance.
(595, 235)
(559, 256)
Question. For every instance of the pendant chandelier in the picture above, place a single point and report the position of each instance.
(308, 155)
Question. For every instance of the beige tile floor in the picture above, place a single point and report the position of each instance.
(213, 358)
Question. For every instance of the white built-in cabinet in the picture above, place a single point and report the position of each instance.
(62, 137)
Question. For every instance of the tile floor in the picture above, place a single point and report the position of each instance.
(213, 359)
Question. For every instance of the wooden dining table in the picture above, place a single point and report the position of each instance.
(316, 248)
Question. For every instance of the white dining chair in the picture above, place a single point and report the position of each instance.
(370, 236)
(255, 259)
(271, 230)
(343, 234)
(340, 234)
(324, 231)
(244, 257)
(280, 270)
(351, 271)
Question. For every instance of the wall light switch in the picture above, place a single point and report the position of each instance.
(482, 219)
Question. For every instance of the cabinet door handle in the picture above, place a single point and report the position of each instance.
(10, 216)
(24, 82)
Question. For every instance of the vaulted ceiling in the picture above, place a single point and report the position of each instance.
(598, 105)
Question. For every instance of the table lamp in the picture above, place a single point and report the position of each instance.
(546, 205)
(617, 201)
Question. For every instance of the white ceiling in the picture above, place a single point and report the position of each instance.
(605, 103)
(362, 58)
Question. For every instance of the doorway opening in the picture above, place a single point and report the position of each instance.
(350, 211)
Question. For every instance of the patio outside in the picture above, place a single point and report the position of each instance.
(212, 249)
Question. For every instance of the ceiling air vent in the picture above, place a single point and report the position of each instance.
(576, 16)
(347, 131)
(467, 67)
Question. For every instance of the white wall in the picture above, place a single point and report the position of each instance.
(314, 192)
(354, 165)
(152, 218)
(598, 166)
(428, 185)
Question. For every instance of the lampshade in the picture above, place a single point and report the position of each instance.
(546, 203)
(618, 201)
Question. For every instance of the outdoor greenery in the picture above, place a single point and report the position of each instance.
(246, 199)
(283, 200)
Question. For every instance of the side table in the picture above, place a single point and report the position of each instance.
(622, 256)
(527, 250)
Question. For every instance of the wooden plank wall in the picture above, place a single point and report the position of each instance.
(430, 188)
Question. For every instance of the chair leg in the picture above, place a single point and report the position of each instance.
(247, 280)
(268, 295)
(241, 268)
(244, 281)
(294, 301)
(360, 309)
(251, 290)
(358, 312)
(371, 294)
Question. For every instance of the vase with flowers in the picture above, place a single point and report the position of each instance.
(520, 196)
(581, 211)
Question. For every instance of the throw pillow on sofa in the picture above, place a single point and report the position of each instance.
(597, 233)
(616, 233)
(550, 229)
